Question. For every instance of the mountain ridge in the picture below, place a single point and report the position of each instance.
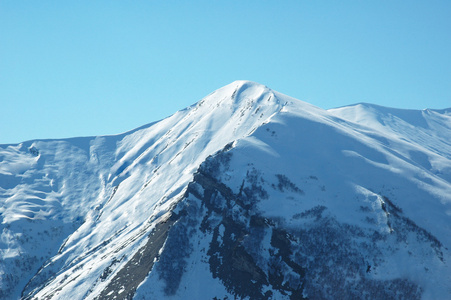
(282, 162)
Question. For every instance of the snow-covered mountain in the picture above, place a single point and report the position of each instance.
(247, 194)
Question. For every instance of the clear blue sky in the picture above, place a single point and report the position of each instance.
(78, 68)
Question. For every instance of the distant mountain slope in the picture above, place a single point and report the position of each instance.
(428, 129)
(248, 193)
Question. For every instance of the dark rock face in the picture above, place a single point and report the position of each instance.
(234, 249)
(124, 284)
(255, 256)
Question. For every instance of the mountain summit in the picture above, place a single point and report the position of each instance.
(247, 194)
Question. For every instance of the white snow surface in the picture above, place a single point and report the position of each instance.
(72, 207)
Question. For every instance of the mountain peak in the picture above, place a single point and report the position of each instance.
(241, 93)
(246, 83)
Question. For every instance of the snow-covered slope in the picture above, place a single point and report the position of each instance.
(425, 134)
(248, 193)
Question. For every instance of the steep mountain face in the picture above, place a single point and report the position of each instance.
(247, 194)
